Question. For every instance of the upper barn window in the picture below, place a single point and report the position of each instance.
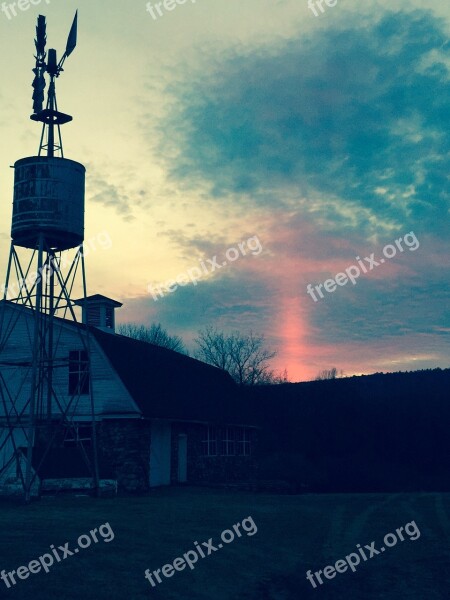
(78, 372)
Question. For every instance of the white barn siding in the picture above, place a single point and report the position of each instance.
(110, 395)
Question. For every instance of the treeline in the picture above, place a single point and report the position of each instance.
(383, 432)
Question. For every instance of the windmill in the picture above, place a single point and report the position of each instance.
(45, 263)
(50, 116)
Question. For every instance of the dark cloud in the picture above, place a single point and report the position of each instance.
(206, 245)
(384, 309)
(355, 117)
(109, 195)
(226, 301)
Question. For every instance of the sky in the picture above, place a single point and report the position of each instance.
(289, 146)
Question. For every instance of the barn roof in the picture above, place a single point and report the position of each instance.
(97, 299)
(167, 384)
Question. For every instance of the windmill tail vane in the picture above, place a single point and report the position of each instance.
(72, 39)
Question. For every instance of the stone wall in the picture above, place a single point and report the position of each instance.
(210, 469)
(125, 443)
(11, 483)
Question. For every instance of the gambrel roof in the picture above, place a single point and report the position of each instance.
(167, 384)
(135, 379)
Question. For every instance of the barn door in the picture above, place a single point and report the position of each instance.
(160, 451)
(182, 458)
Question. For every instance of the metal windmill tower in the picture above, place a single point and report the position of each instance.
(45, 263)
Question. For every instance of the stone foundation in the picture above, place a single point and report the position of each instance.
(125, 444)
(210, 469)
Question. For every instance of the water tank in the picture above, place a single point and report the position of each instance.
(48, 200)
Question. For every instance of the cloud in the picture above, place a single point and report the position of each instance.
(205, 245)
(382, 309)
(108, 194)
(353, 119)
(329, 145)
(226, 300)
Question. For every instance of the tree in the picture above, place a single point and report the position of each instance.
(332, 373)
(277, 378)
(155, 334)
(243, 356)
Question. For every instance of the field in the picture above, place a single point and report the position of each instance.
(295, 533)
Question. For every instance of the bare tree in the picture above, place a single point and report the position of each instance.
(332, 373)
(155, 334)
(243, 356)
(277, 378)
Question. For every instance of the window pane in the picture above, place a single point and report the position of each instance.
(78, 372)
(228, 445)
(244, 444)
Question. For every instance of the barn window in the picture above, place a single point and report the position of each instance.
(234, 441)
(78, 372)
(228, 441)
(243, 441)
(77, 435)
(209, 442)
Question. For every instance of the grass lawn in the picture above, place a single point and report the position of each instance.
(295, 533)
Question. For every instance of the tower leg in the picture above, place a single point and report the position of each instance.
(37, 360)
(96, 477)
(32, 411)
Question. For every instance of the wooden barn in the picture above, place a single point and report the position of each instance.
(161, 417)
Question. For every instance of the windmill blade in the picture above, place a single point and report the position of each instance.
(41, 36)
(39, 70)
(72, 39)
